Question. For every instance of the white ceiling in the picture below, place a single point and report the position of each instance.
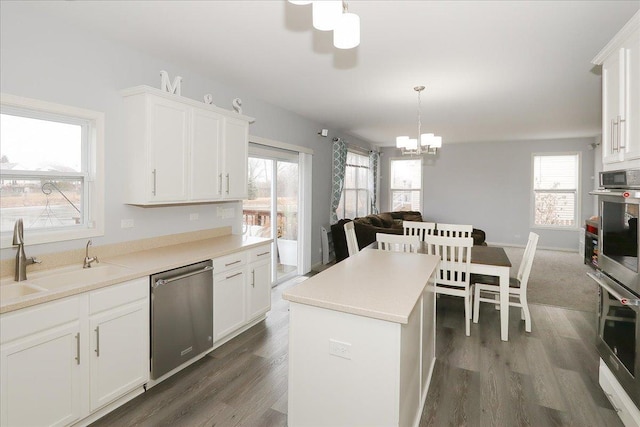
(494, 70)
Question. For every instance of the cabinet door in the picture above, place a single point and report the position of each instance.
(236, 134)
(206, 178)
(631, 132)
(41, 378)
(228, 302)
(611, 94)
(168, 149)
(259, 289)
(119, 352)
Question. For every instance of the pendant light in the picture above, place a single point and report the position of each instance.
(326, 14)
(346, 34)
(425, 143)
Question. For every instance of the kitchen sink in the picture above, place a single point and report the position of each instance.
(76, 275)
(17, 290)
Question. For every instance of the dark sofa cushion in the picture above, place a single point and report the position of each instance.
(386, 219)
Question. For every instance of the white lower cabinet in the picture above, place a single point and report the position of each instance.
(241, 291)
(259, 285)
(40, 371)
(51, 373)
(228, 302)
(119, 341)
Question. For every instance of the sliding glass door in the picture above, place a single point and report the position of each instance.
(272, 207)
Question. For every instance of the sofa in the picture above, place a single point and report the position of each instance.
(367, 227)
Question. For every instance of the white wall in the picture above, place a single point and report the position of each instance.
(51, 61)
(488, 184)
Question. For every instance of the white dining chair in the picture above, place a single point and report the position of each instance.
(398, 243)
(488, 285)
(418, 228)
(453, 277)
(352, 240)
(453, 230)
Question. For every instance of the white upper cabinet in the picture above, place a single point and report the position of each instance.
(183, 151)
(620, 61)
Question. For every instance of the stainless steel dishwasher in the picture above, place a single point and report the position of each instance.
(181, 316)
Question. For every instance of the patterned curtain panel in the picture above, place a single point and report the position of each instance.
(374, 161)
(339, 165)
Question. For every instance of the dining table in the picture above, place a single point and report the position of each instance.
(489, 261)
(493, 261)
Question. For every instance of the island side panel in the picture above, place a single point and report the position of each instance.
(410, 358)
(361, 388)
(428, 337)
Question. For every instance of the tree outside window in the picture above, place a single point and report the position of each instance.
(555, 190)
(406, 184)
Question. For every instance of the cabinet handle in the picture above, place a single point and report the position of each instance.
(620, 129)
(234, 275)
(231, 263)
(610, 396)
(78, 348)
(97, 350)
(227, 183)
(253, 278)
(154, 182)
(263, 253)
(611, 138)
(220, 184)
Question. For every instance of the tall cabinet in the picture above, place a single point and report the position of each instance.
(620, 61)
(183, 151)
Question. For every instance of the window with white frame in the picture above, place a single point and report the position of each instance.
(50, 171)
(556, 181)
(355, 192)
(406, 184)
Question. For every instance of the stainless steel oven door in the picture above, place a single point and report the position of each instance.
(618, 333)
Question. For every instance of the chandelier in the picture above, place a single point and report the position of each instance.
(425, 143)
(332, 15)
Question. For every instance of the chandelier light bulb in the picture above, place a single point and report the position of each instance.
(426, 139)
(326, 14)
(413, 144)
(346, 34)
(402, 141)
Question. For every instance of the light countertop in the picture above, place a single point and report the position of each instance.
(73, 280)
(374, 283)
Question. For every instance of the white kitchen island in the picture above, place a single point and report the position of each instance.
(362, 341)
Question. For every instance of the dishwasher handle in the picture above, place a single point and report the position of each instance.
(161, 282)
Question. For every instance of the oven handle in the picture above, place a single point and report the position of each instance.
(623, 300)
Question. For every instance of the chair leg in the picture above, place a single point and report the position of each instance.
(467, 314)
(476, 303)
(526, 313)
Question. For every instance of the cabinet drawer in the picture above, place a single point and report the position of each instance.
(260, 253)
(117, 295)
(39, 318)
(621, 403)
(229, 262)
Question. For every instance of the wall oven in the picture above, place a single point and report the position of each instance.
(618, 340)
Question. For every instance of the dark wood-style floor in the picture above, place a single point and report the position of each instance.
(546, 378)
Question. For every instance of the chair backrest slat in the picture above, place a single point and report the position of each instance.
(418, 228)
(352, 240)
(455, 257)
(527, 261)
(454, 230)
(398, 243)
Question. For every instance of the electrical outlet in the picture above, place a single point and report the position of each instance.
(194, 217)
(340, 349)
(126, 223)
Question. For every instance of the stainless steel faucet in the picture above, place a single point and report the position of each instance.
(88, 260)
(21, 259)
